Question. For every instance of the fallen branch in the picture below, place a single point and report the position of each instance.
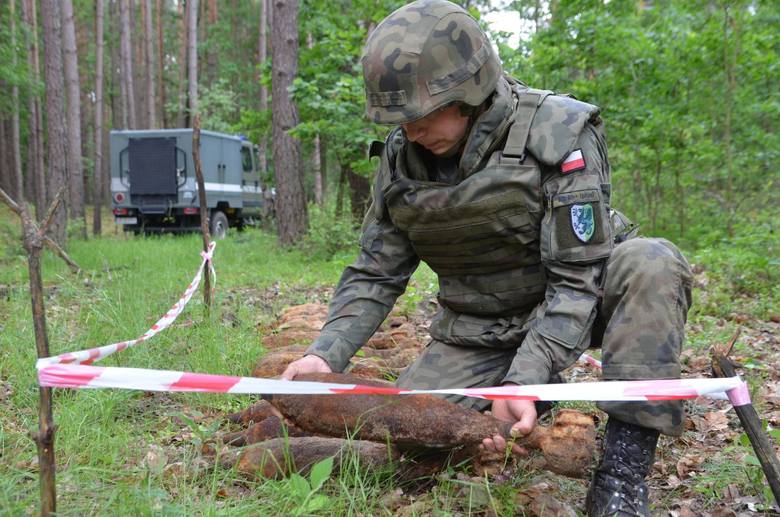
(751, 422)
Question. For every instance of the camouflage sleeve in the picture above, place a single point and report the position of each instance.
(366, 293)
(576, 239)
(369, 287)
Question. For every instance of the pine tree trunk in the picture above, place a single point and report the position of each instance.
(324, 165)
(182, 115)
(316, 153)
(291, 201)
(263, 57)
(139, 71)
(162, 119)
(98, 174)
(5, 170)
(35, 147)
(359, 193)
(18, 191)
(214, 49)
(73, 92)
(148, 40)
(192, 57)
(55, 107)
(126, 58)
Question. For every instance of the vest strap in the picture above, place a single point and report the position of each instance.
(528, 102)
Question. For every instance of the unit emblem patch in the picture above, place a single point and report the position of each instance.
(583, 221)
(574, 162)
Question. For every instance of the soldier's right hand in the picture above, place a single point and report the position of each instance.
(306, 364)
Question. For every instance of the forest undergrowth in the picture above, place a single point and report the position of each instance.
(133, 452)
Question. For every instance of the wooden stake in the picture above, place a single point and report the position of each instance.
(204, 211)
(751, 422)
(33, 240)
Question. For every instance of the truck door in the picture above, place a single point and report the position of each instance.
(250, 184)
(211, 158)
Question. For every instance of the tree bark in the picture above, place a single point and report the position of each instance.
(15, 139)
(126, 59)
(55, 107)
(161, 119)
(35, 146)
(73, 92)
(291, 201)
(5, 171)
(192, 56)
(359, 193)
(138, 68)
(263, 57)
(213, 50)
(181, 116)
(148, 40)
(204, 210)
(316, 153)
(730, 86)
(98, 183)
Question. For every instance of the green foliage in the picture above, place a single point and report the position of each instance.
(330, 234)
(686, 93)
(744, 267)
(216, 104)
(305, 491)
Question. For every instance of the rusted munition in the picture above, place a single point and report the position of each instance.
(271, 427)
(281, 456)
(426, 421)
(257, 412)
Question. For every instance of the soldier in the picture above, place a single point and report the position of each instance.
(504, 191)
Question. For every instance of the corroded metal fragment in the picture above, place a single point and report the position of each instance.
(281, 456)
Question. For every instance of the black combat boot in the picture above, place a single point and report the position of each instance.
(618, 488)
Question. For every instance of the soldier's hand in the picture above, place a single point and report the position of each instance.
(522, 414)
(306, 364)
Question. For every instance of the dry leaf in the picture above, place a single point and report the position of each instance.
(689, 463)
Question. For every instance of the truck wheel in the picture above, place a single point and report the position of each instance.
(219, 225)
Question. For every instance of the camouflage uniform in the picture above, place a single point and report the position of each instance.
(533, 265)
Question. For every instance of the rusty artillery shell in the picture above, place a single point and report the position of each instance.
(257, 412)
(279, 457)
(271, 427)
(410, 421)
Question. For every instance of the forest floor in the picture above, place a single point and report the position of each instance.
(123, 452)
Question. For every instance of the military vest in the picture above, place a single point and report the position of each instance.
(482, 235)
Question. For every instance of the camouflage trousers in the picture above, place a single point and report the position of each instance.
(639, 327)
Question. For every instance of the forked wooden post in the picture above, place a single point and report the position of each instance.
(204, 211)
(751, 422)
(33, 240)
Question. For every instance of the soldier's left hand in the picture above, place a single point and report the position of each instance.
(522, 414)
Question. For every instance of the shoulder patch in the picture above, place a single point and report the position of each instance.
(583, 222)
(574, 162)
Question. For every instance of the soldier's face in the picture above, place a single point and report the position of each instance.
(439, 131)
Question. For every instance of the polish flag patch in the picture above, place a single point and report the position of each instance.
(574, 162)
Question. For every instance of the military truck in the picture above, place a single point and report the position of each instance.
(153, 186)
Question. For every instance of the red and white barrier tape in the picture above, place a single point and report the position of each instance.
(82, 376)
(96, 354)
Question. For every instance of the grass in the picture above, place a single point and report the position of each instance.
(103, 436)
(107, 440)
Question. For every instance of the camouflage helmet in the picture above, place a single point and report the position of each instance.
(424, 56)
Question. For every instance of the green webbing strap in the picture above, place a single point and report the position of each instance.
(527, 104)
